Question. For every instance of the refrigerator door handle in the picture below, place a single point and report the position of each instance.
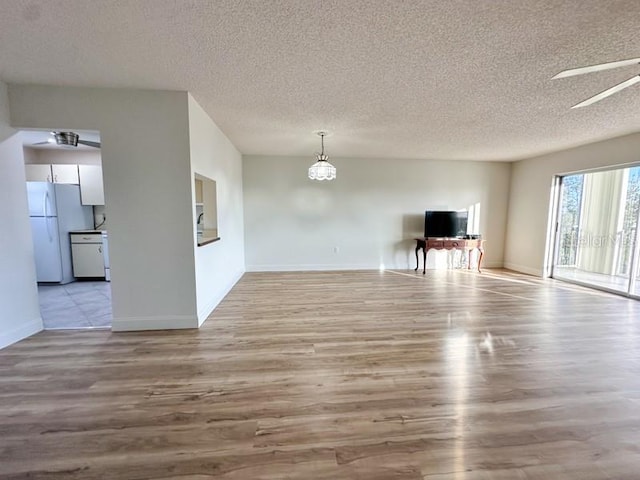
(46, 218)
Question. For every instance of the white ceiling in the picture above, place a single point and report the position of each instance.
(465, 79)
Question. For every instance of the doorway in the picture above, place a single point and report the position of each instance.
(597, 240)
(68, 225)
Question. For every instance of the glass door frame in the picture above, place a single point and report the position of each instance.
(553, 237)
(635, 263)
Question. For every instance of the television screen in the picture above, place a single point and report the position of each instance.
(445, 224)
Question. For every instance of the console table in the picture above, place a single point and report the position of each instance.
(427, 243)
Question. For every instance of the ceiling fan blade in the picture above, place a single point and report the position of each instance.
(90, 143)
(597, 68)
(608, 92)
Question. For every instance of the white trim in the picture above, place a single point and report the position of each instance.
(132, 324)
(309, 268)
(312, 267)
(204, 312)
(523, 269)
(23, 331)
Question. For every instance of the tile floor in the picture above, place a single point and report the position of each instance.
(82, 304)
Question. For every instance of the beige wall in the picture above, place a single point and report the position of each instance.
(529, 201)
(152, 142)
(19, 309)
(41, 156)
(219, 265)
(5, 128)
(369, 214)
(147, 181)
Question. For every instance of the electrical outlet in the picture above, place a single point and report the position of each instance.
(336, 249)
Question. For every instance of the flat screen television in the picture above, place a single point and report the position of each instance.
(445, 224)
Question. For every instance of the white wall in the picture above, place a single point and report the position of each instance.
(529, 201)
(19, 310)
(219, 265)
(370, 213)
(147, 180)
(30, 155)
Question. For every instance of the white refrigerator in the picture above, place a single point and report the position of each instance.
(55, 209)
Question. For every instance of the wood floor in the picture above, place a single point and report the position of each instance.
(340, 375)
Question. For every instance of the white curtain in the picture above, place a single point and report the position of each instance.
(604, 195)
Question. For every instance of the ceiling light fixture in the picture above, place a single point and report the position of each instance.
(66, 138)
(322, 169)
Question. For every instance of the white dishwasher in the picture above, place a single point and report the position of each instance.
(87, 252)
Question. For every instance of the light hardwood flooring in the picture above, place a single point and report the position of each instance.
(340, 375)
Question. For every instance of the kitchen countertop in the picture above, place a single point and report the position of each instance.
(207, 236)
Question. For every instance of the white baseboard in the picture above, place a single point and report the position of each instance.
(21, 332)
(523, 269)
(205, 311)
(175, 322)
(310, 267)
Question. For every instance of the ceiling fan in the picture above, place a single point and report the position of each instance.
(598, 68)
(69, 139)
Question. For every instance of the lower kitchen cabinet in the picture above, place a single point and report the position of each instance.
(87, 255)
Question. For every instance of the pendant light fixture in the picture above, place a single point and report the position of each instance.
(322, 169)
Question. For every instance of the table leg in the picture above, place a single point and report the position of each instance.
(424, 260)
(469, 259)
(481, 250)
(421, 244)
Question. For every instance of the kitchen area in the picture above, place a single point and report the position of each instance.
(69, 228)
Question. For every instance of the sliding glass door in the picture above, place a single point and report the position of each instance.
(569, 223)
(597, 231)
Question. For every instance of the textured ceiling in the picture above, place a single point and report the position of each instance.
(413, 79)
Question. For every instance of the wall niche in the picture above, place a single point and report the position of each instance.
(206, 209)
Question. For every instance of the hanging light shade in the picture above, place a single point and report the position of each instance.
(322, 169)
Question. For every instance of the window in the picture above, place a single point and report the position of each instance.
(597, 232)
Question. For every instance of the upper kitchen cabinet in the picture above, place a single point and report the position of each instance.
(38, 173)
(91, 186)
(52, 173)
(65, 174)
